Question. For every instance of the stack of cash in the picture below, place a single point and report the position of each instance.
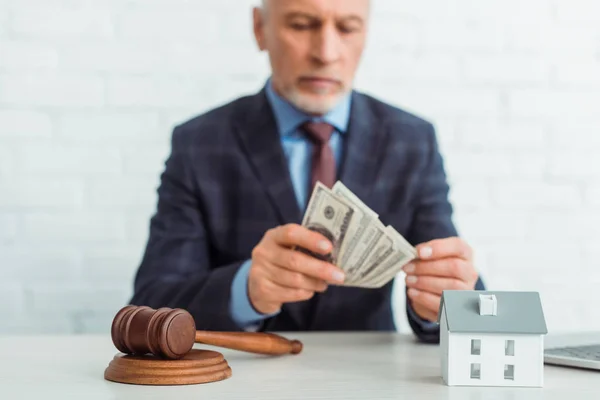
(370, 253)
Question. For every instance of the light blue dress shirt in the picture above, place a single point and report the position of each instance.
(298, 151)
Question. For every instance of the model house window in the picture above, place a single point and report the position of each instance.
(476, 371)
(509, 348)
(475, 347)
(509, 372)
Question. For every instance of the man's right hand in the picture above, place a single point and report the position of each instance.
(281, 275)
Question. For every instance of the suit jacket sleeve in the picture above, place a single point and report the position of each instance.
(176, 269)
(432, 220)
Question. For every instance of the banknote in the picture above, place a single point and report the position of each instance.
(384, 248)
(370, 253)
(362, 249)
(403, 253)
(361, 236)
(343, 192)
(330, 216)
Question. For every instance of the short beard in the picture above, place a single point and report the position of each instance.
(309, 105)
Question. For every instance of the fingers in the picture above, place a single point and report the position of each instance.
(271, 292)
(279, 274)
(296, 261)
(443, 264)
(296, 235)
(444, 248)
(296, 280)
(425, 304)
(270, 286)
(276, 249)
(433, 284)
(456, 268)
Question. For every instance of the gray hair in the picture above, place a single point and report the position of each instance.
(264, 7)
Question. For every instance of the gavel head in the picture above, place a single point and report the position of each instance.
(166, 332)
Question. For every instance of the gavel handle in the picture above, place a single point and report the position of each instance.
(252, 342)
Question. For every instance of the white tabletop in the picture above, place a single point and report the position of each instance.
(331, 366)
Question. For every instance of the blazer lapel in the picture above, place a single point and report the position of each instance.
(363, 147)
(257, 132)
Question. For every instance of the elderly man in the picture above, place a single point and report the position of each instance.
(222, 242)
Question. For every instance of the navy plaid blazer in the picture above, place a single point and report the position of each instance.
(226, 182)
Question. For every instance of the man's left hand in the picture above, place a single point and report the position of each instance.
(442, 264)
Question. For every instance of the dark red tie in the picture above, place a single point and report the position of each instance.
(323, 161)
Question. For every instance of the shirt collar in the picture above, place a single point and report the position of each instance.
(289, 118)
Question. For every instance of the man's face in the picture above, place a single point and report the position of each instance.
(314, 48)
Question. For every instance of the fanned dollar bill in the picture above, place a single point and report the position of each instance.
(403, 253)
(370, 253)
(383, 248)
(361, 235)
(331, 217)
(340, 190)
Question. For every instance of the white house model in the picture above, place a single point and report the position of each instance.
(492, 338)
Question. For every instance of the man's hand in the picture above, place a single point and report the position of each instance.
(442, 264)
(281, 275)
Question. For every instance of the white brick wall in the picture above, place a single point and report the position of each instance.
(89, 93)
(22, 124)
(36, 19)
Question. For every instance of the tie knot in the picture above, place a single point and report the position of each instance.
(318, 132)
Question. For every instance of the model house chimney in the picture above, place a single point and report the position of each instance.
(488, 305)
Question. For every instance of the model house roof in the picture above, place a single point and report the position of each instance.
(476, 311)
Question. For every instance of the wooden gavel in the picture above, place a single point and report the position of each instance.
(171, 333)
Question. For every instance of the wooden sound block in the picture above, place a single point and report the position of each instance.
(198, 366)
